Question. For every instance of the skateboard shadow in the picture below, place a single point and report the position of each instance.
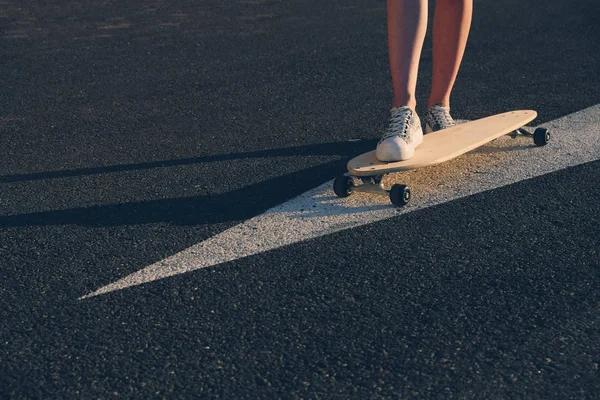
(343, 149)
(237, 205)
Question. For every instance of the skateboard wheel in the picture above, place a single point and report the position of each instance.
(541, 136)
(400, 195)
(342, 186)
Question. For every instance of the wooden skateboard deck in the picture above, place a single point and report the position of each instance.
(446, 144)
(366, 172)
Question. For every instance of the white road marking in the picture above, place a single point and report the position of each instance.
(575, 139)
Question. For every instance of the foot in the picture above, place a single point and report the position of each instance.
(438, 118)
(402, 136)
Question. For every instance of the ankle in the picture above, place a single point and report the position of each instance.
(412, 106)
(444, 103)
(405, 100)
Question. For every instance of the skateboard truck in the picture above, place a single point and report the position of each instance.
(541, 136)
(346, 184)
(519, 132)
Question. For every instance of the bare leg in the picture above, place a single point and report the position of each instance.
(451, 24)
(407, 24)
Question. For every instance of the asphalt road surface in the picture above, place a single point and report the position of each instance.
(132, 131)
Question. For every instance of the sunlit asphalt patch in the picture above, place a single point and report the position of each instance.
(575, 140)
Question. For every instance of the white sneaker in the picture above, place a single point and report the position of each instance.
(402, 136)
(438, 118)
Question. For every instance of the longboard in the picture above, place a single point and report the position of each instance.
(437, 147)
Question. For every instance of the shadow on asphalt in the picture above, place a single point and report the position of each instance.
(235, 205)
(346, 149)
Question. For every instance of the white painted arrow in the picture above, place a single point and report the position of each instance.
(575, 139)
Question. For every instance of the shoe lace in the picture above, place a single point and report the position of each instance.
(399, 122)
